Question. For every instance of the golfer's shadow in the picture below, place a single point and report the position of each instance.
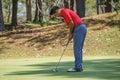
(100, 68)
(34, 72)
(42, 69)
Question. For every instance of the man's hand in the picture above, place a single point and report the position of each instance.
(69, 39)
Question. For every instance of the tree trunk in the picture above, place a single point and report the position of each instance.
(9, 12)
(108, 7)
(97, 3)
(72, 4)
(40, 12)
(100, 6)
(14, 13)
(2, 27)
(36, 12)
(29, 10)
(66, 4)
(80, 7)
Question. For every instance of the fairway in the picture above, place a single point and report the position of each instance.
(95, 68)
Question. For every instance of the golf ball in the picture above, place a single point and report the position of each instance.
(54, 70)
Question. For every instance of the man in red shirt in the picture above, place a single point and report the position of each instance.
(77, 32)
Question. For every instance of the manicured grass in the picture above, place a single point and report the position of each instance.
(95, 68)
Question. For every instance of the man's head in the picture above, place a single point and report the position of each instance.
(54, 10)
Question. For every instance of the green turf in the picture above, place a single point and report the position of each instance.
(95, 68)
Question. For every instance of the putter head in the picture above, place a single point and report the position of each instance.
(54, 70)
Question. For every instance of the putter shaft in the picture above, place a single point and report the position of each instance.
(60, 57)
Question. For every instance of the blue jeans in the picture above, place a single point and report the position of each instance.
(78, 38)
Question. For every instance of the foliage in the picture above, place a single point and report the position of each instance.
(47, 4)
(6, 10)
(90, 7)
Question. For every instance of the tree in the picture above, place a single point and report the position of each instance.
(80, 7)
(72, 4)
(116, 5)
(104, 6)
(14, 13)
(38, 12)
(66, 4)
(7, 10)
(108, 7)
(2, 27)
(100, 6)
(29, 10)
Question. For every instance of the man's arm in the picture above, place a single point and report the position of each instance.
(71, 29)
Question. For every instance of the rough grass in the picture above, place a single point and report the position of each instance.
(105, 42)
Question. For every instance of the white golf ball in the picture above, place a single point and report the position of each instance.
(54, 70)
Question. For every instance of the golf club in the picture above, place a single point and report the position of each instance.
(55, 70)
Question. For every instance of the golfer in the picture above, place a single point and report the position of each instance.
(77, 31)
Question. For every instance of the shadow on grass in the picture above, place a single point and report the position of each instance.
(108, 69)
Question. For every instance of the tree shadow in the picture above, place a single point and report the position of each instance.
(43, 37)
(108, 69)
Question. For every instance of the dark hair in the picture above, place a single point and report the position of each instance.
(53, 10)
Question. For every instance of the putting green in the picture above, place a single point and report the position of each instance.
(95, 68)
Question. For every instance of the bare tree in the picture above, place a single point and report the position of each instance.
(29, 10)
(36, 12)
(14, 13)
(108, 7)
(40, 12)
(100, 6)
(72, 4)
(66, 4)
(80, 7)
(2, 27)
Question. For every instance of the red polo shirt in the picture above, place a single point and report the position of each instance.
(69, 15)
